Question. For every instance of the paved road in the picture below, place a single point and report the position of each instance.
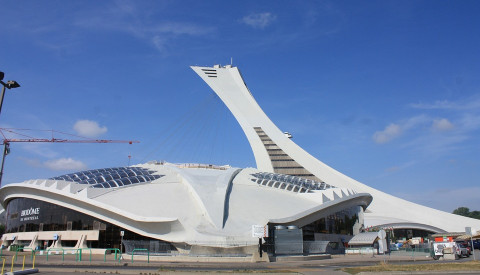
(167, 265)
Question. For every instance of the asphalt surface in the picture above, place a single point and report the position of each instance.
(170, 265)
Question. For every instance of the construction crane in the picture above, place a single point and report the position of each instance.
(28, 138)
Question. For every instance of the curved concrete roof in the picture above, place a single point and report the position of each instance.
(191, 204)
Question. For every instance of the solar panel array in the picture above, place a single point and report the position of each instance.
(111, 177)
(305, 185)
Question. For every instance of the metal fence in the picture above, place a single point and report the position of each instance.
(241, 250)
(307, 248)
(153, 247)
(316, 247)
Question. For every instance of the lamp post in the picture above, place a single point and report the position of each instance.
(10, 84)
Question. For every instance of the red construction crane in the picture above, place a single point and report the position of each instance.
(28, 138)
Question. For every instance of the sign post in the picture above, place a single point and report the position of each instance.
(468, 231)
(122, 233)
(260, 231)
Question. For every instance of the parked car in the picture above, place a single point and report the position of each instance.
(476, 244)
(463, 250)
(467, 245)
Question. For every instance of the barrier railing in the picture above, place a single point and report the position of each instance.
(80, 252)
(14, 259)
(23, 250)
(56, 249)
(112, 249)
(141, 249)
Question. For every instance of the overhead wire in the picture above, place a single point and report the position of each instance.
(174, 130)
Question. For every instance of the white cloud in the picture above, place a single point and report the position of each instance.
(470, 103)
(65, 164)
(31, 162)
(61, 164)
(397, 168)
(89, 128)
(160, 43)
(41, 149)
(394, 130)
(133, 20)
(442, 125)
(390, 132)
(470, 122)
(415, 122)
(259, 20)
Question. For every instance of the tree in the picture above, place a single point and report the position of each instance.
(465, 211)
(462, 211)
(475, 215)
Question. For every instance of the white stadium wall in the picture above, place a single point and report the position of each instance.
(385, 210)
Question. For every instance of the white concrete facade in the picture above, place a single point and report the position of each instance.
(385, 210)
(199, 205)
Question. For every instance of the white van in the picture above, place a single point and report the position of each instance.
(442, 249)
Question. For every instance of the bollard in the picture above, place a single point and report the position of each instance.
(3, 264)
(11, 269)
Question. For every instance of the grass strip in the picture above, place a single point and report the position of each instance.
(382, 267)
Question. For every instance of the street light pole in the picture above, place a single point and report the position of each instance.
(10, 84)
(1, 96)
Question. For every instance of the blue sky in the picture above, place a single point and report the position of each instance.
(387, 92)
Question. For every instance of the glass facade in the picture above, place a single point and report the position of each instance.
(29, 215)
(407, 234)
(330, 229)
(341, 222)
(111, 177)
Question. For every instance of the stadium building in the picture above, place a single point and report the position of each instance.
(199, 209)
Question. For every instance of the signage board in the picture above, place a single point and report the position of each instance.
(468, 231)
(259, 231)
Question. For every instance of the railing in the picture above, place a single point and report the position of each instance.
(56, 249)
(157, 248)
(23, 249)
(80, 252)
(113, 249)
(141, 249)
(200, 165)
